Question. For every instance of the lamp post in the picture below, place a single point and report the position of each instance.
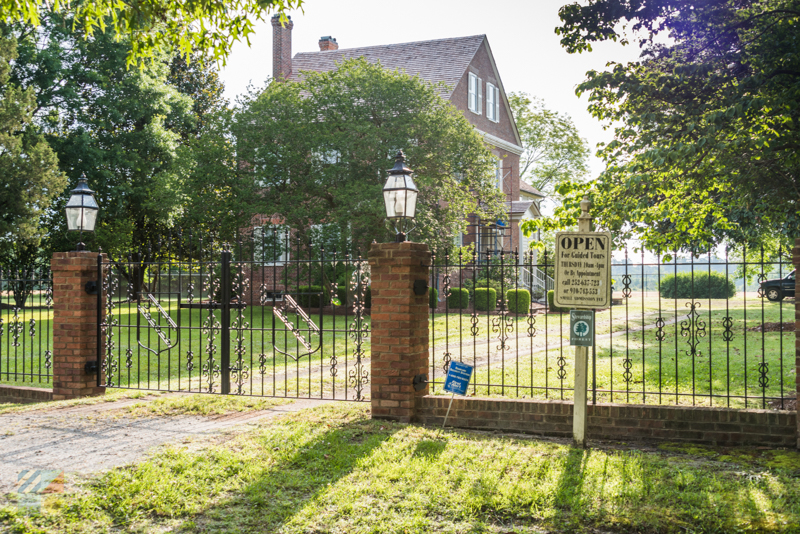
(400, 197)
(81, 210)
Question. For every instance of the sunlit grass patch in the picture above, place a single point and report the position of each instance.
(332, 469)
(199, 404)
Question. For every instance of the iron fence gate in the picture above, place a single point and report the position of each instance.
(291, 324)
(684, 328)
(26, 326)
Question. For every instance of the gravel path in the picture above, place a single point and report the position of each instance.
(86, 439)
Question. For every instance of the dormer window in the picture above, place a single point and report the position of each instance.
(492, 102)
(475, 100)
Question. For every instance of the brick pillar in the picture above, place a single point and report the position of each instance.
(399, 328)
(796, 262)
(74, 325)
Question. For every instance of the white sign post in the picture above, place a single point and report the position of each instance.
(582, 281)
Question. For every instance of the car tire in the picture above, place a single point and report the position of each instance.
(774, 294)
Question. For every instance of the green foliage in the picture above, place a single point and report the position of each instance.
(697, 286)
(311, 296)
(705, 126)
(29, 176)
(481, 282)
(554, 151)
(519, 300)
(485, 299)
(157, 25)
(346, 297)
(433, 298)
(458, 298)
(318, 150)
(551, 304)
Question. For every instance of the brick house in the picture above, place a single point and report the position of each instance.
(473, 85)
(467, 67)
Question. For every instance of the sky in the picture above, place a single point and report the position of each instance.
(521, 34)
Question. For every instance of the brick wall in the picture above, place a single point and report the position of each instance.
(399, 328)
(796, 262)
(23, 394)
(74, 325)
(719, 426)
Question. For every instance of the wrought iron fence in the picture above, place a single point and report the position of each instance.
(692, 329)
(279, 318)
(26, 326)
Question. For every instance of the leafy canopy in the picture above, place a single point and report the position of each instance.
(211, 26)
(554, 150)
(319, 149)
(706, 127)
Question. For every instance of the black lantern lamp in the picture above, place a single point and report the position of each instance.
(400, 196)
(82, 210)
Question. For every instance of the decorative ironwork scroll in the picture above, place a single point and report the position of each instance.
(358, 330)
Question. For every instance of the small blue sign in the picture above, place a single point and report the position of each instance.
(458, 376)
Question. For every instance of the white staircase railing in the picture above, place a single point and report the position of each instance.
(535, 279)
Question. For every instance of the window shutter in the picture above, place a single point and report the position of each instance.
(490, 102)
(479, 107)
(496, 104)
(471, 100)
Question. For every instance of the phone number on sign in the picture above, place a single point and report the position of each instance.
(582, 291)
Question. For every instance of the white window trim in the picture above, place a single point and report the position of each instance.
(285, 250)
(480, 97)
(492, 102)
(472, 93)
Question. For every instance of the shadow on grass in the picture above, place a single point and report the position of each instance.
(297, 478)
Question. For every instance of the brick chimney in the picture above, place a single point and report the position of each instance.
(281, 48)
(328, 43)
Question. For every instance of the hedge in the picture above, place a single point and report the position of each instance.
(519, 300)
(485, 299)
(458, 298)
(716, 286)
(433, 298)
(309, 296)
(341, 293)
(553, 308)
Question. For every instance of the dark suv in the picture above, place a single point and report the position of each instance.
(776, 289)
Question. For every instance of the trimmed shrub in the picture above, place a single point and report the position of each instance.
(481, 282)
(311, 296)
(485, 299)
(433, 298)
(347, 299)
(552, 307)
(458, 299)
(519, 300)
(716, 286)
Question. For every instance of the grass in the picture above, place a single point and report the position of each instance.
(661, 372)
(203, 405)
(332, 470)
(719, 367)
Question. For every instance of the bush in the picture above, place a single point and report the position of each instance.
(458, 299)
(716, 286)
(519, 300)
(481, 282)
(433, 298)
(309, 296)
(346, 298)
(485, 299)
(553, 308)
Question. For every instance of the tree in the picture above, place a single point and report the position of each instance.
(554, 150)
(319, 149)
(155, 26)
(706, 127)
(29, 175)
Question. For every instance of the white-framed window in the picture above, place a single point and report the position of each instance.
(499, 174)
(492, 102)
(475, 97)
(271, 244)
(458, 240)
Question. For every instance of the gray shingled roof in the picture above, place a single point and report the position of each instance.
(528, 188)
(440, 60)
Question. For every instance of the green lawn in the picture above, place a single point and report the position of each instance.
(530, 366)
(540, 366)
(333, 470)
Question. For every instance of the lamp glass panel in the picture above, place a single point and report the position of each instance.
(411, 203)
(89, 219)
(74, 218)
